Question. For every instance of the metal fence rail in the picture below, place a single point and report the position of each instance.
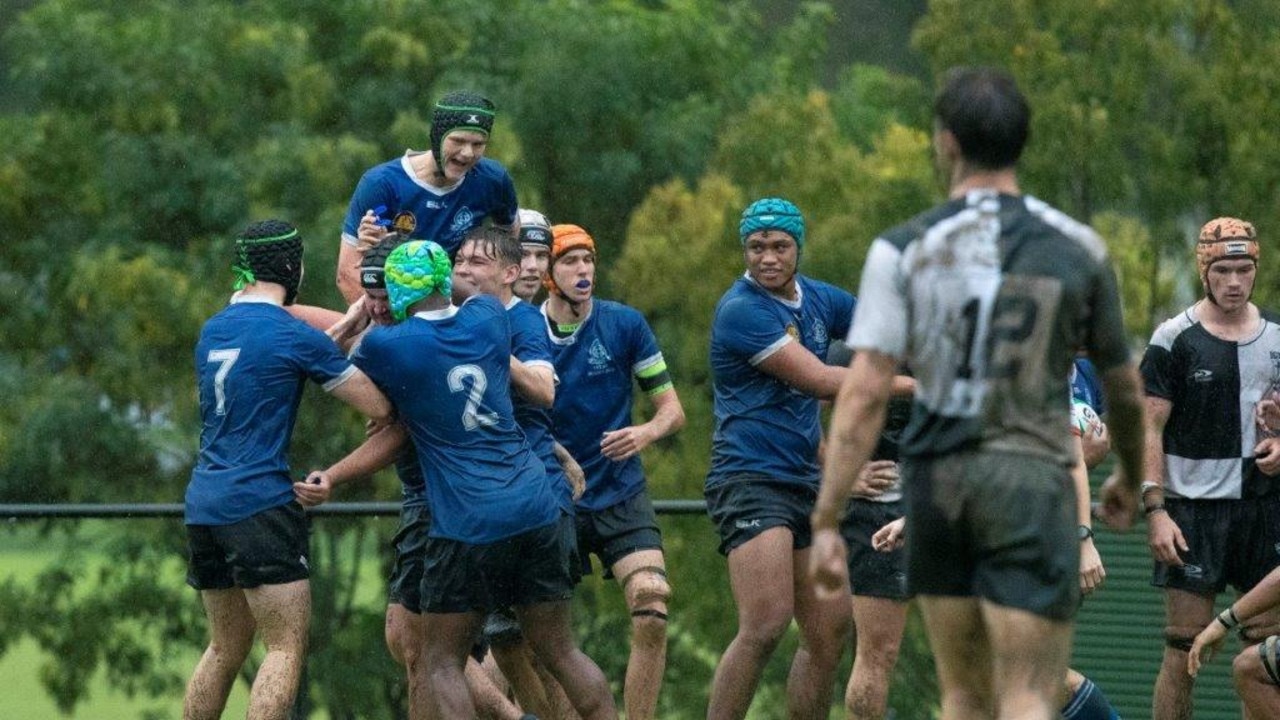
(36, 511)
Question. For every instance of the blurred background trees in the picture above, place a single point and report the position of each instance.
(137, 136)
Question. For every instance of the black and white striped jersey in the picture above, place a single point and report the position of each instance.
(1213, 386)
(988, 297)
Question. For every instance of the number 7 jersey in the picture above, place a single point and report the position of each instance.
(988, 297)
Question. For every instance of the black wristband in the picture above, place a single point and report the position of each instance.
(1228, 618)
(1149, 509)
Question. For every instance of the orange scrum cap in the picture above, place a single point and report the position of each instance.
(1225, 238)
(563, 239)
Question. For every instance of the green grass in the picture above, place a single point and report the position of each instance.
(23, 554)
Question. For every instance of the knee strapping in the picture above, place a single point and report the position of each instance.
(649, 612)
(650, 585)
(1179, 639)
(1268, 649)
(1089, 703)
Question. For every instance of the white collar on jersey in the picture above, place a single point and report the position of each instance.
(515, 300)
(793, 304)
(441, 314)
(407, 165)
(239, 297)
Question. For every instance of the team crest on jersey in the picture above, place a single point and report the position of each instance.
(405, 223)
(793, 331)
(598, 357)
(463, 221)
(818, 334)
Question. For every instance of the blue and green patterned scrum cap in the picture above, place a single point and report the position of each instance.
(772, 213)
(414, 270)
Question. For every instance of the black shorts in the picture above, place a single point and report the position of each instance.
(404, 587)
(269, 548)
(873, 573)
(744, 507)
(502, 628)
(999, 526)
(525, 569)
(617, 531)
(1232, 542)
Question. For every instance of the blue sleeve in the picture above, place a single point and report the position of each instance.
(505, 204)
(319, 357)
(370, 192)
(529, 341)
(747, 330)
(842, 304)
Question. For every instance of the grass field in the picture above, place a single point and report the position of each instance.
(23, 554)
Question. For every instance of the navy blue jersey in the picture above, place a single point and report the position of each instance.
(596, 365)
(448, 374)
(423, 212)
(530, 346)
(252, 361)
(1085, 386)
(765, 427)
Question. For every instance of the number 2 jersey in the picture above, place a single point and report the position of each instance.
(252, 361)
(448, 374)
(988, 297)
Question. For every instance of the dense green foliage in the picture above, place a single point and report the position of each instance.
(136, 136)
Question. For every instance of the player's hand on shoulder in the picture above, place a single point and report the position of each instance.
(828, 564)
(315, 490)
(890, 537)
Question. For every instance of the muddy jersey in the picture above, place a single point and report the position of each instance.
(1213, 386)
(987, 297)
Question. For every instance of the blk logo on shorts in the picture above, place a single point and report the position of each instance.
(1193, 571)
(303, 559)
(747, 524)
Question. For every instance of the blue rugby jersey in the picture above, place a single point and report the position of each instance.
(763, 426)
(596, 365)
(448, 374)
(422, 212)
(252, 360)
(529, 345)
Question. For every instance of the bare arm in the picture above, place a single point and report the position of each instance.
(378, 451)
(317, 317)
(1119, 494)
(348, 277)
(360, 393)
(668, 418)
(535, 383)
(572, 470)
(855, 426)
(1092, 571)
(794, 365)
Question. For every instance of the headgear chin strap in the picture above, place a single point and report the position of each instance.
(269, 251)
(414, 270)
(563, 239)
(459, 110)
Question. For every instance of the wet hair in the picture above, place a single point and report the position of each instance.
(496, 243)
(986, 112)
